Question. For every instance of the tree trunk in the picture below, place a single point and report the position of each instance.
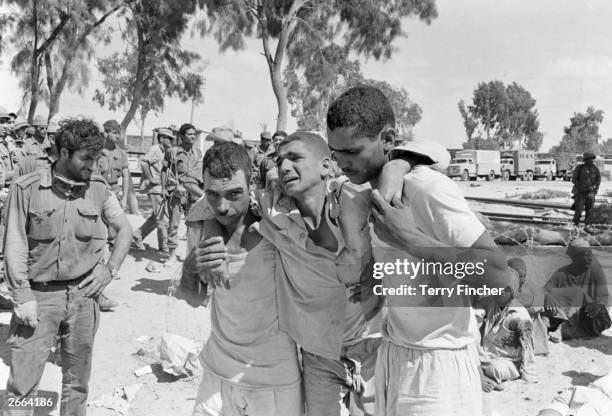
(138, 87)
(34, 91)
(280, 92)
(142, 124)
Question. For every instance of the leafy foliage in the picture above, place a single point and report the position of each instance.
(306, 30)
(153, 66)
(501, 114)
(52, 40)
(311, 90)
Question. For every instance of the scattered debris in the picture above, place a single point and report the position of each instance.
(119, 400)
(154, 267)
(147, 369)
(143, 338)
(178, 355)
(545, 194)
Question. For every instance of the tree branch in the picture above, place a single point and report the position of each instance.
(97, 23)
(265, 38)
(250, 8)
(49, 70)
(58, 29)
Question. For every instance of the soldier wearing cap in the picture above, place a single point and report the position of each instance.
(7, 166)
(267, 168)
(220, 134)
(263, 150)
(38, 145)
(56, 225)
(181, 182)
(152, 164)
(586, 179)
(113, 163)
(19, 135)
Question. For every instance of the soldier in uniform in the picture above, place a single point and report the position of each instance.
(5, 149)
(152, 164)
(264, 149)
(20, 128)
(113, 163)
(38, 144)
(181, 182)
(56, 224)
(267, 168)
(586, 179)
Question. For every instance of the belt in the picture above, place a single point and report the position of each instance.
(59, 284)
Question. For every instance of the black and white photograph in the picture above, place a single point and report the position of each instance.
(305, 208)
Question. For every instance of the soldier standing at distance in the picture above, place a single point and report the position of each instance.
(152, 164)
(20, 129)
(56, 225)
(181, 182)
(264, 149)
(586, 179)
(267, 168)
(39, 144)
(113, 164)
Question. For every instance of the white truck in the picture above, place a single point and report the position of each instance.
(545, 168)
(474, 164)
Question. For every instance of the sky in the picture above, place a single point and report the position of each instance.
(559, 50)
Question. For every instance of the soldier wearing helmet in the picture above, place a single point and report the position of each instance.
(586, 179)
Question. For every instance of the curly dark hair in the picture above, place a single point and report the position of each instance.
(362, 106)
(79, 134)
(111, 125)
(224, 159)
(280, 133)
(186, 127)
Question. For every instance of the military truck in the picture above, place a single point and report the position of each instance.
(545, 168)
(517, 164)
(474, 164)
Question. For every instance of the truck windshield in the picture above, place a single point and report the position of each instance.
(458, 161)
(543, 162)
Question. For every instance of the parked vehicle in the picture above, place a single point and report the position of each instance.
(517, 164)
(545, 168)
(565, 165)
(473, 164)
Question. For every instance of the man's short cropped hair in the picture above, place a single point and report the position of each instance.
(224, 159)
(364, 107)
(79, 134)
(315, 143)
(185, 127)
(111, 125)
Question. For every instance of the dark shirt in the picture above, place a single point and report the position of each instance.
(586, 178)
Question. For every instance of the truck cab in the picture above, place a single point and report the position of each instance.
(463, 168)
(545, 168)
(517, 164)
(474, 164)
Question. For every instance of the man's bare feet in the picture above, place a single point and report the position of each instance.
(488, 384)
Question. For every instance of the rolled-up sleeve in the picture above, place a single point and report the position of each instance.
(112, 207)
(16, 245)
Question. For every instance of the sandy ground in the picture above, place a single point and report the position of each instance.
(146, 310)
